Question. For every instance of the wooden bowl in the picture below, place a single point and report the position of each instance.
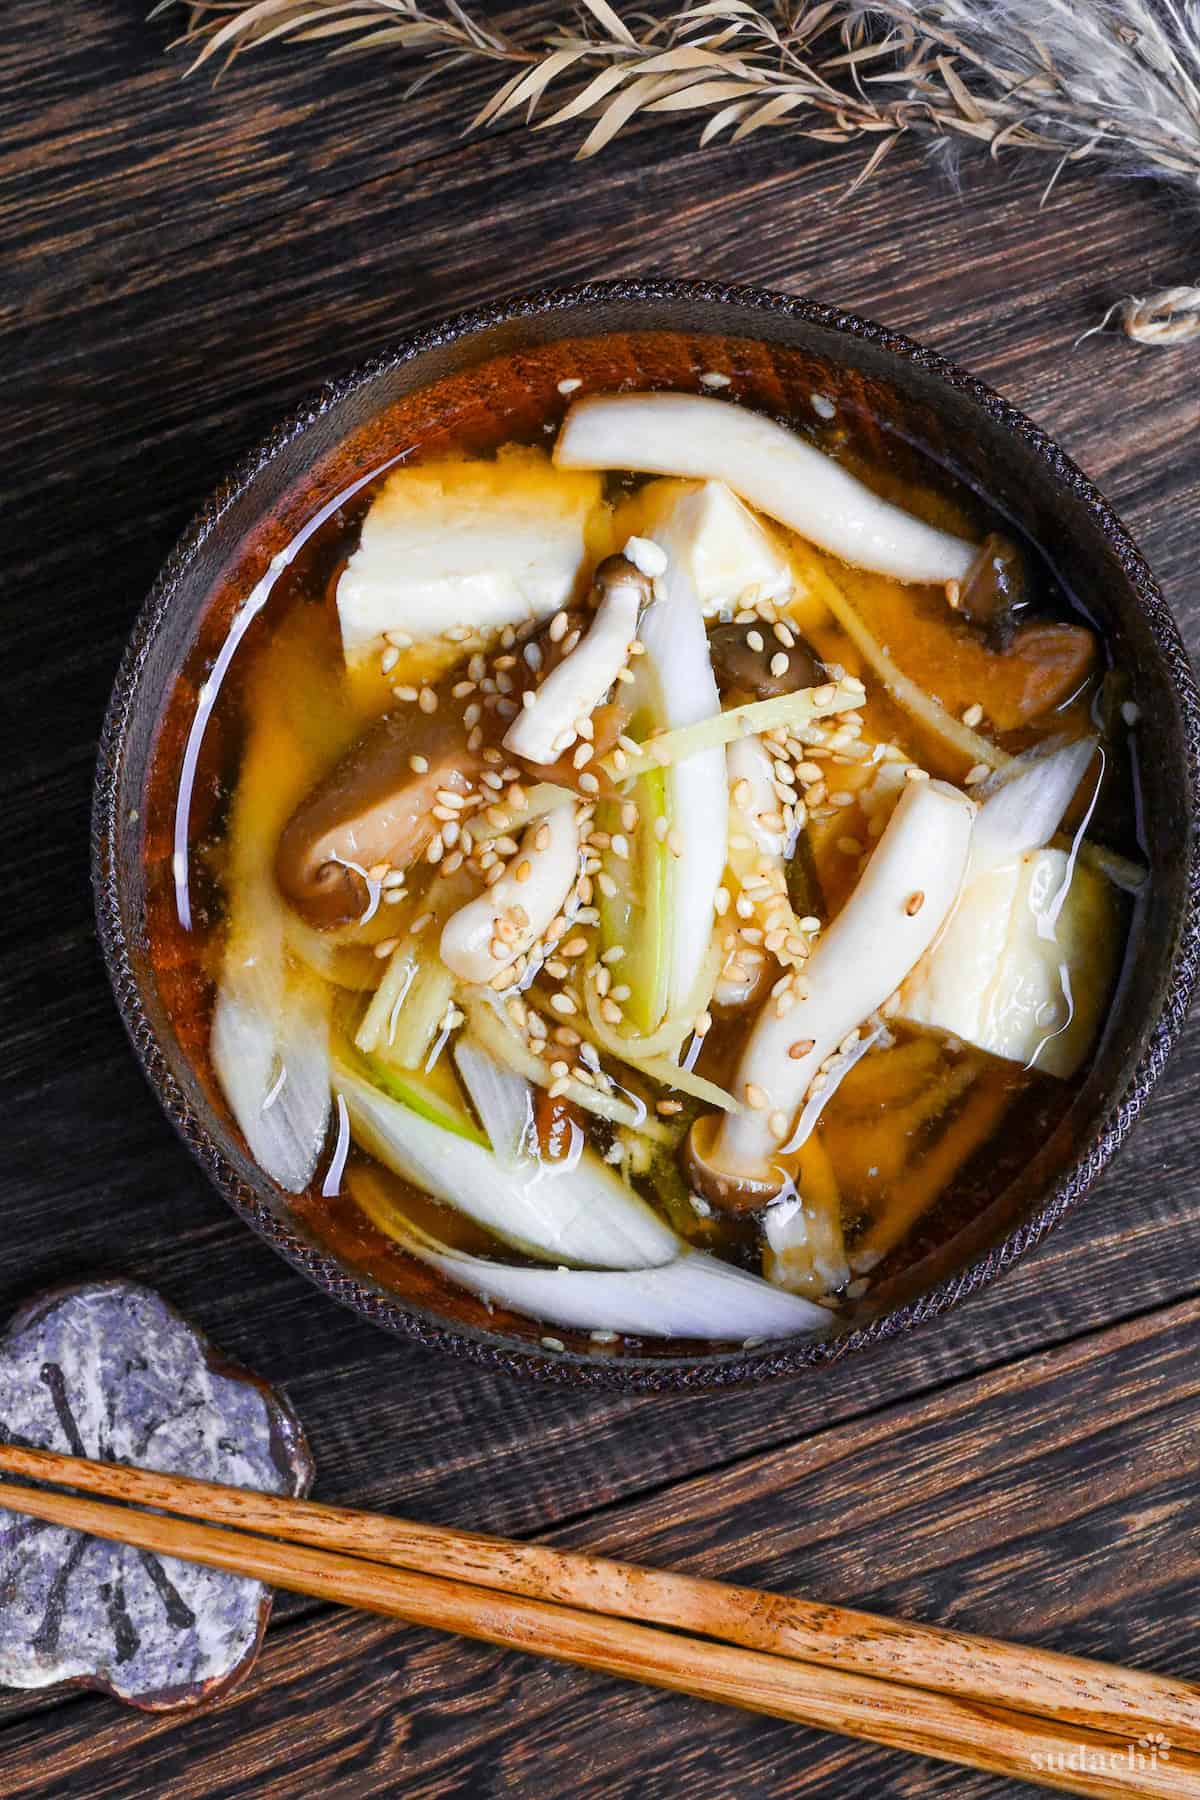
(492, 375)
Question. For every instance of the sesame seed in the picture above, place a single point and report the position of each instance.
(973, 714)
(756, 1097)
(427, 700)
(541, 837)
(528, 699)
(915, 774)
(386, 947)
(778, 1122)
(558, 627)
(418, 925)
(405, 693)
(569, 383)
(786, 637)
(610, 1012)
(614, 955)
(713, 378)
(588, 783)
(563, 1003)
(400, 640)
(557, 1089)
(755, 640)
(801, 1048)
(779, 663)
(524, 870)
(979, 773)
(668, 1107)
(849, 846)
(389, 660)
(582, 756)
(914, 903)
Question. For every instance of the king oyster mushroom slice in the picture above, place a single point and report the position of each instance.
(769, 466)
(372, 807)
(506, 920)
(573, 690)
(894, 914)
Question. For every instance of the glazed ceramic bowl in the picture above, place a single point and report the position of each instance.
(492, 375)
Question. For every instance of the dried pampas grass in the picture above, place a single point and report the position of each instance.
(1115, 82)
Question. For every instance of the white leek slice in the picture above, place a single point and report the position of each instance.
(1026, 807)
(502, 1098)
(485, 544)
(642, 1052)
(586, 1215)
(489, 933)
(756, 806)
(270, 1050)
(1026, 965)
(576, 687)
(270, 1029)
(676, 647)
(496, 1033)
(756, 716)
(768, 465)
(894, 914)
(691, 1296)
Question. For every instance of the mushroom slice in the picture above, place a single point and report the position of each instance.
(762, 672)
(489, 933)
(576, 687)
(373, 807)
(890, 920)
(769, 466)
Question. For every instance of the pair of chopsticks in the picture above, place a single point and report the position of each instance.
(1007, 1708)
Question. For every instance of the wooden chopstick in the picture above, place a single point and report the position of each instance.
(512, 1599)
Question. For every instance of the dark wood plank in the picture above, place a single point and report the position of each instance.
(968, 1507)
(110, 156)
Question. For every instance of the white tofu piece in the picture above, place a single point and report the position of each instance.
(729, 557)
(1022, 970)
(485, 544)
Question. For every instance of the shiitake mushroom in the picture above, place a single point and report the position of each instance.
(994, 593)
(742, 659)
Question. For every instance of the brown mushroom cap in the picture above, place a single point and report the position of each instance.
(741, 668)
(372, 807)
(993, 593)
(735, 1193)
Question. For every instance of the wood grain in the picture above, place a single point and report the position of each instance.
(183, 265)
(1028, 1525)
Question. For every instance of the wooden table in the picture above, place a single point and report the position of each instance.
(183, 264)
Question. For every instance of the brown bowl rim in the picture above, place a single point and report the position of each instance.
(533, 1360)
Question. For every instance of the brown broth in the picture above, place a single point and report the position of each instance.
(918, 1131)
